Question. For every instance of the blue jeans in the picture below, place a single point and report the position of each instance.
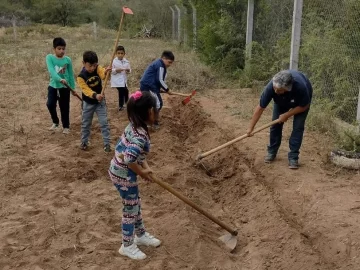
(88, 111)
(296, 134)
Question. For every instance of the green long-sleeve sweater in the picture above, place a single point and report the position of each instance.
(60, 68)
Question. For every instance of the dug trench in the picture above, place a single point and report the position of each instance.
(60, 210)
(269, 237)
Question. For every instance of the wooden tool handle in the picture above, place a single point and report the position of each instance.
(180, 94)
(193, 205)
(114, 53)
(72, 90)
(201, 156)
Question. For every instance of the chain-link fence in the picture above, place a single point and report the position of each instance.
(271, 36)
(330, 53)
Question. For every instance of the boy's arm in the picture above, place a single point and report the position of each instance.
(87, 91)
(101, 71)
(51, 69)
(160, 76)
(71, 75)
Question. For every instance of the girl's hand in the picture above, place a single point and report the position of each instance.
(146, 174)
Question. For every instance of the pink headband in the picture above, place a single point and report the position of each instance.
(136, 95)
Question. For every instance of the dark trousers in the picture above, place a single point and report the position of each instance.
(296, 135)
(63, 95)
(123, 95)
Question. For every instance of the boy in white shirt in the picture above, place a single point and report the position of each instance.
(120, 69)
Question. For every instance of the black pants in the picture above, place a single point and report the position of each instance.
(123, 95)
(63, 95)
(296, 134)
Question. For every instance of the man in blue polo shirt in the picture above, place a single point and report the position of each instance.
(291, 92)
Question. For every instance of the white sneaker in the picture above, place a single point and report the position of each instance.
(133, 252)
(147, 240)
(54, 127)
(66, 131)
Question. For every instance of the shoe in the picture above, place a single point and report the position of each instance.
(133, 252)
(293, 164)
(83, 146)
(147, 240)
(107, 148)
(54, 127)
(121, 109)
(269, 158)
(66, 131)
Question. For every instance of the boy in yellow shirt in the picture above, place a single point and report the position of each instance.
(90, 82)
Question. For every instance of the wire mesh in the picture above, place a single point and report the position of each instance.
(330, 53)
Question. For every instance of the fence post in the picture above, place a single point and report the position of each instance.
(296, 34)
(194, 26)
(185, 15)
(249, 28)
(14, 27)
(173, 23)
(358, 110)
(95, 30)
(179, 23)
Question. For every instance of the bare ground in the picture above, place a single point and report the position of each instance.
(59, 210)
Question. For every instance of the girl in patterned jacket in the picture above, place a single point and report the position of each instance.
(129, 162)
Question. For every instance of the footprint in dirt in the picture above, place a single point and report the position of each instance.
(69, 252)
(88, 176)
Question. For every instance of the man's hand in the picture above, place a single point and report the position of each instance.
(99, 97)
(249, 132)
(283, 117)
(169, 92)
(63, 81)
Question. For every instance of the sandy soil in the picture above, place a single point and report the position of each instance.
(59, 210)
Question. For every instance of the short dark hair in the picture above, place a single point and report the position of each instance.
(120, 48)
(138, 110)
(90, 57)
(168, 55)
(58, 41)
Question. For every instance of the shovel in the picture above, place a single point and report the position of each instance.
(187, 100)
(125, 10)
(188, 96)
(201, 156)
(229, 239)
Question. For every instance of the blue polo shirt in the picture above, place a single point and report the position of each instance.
(300, 94)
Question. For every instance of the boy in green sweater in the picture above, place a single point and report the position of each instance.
(61, 74)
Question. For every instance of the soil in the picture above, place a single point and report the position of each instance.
(59, 210)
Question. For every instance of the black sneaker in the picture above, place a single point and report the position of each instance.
(107, 148)
(83, 146)
(121, 109)
(293, 164)
(269, 158)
